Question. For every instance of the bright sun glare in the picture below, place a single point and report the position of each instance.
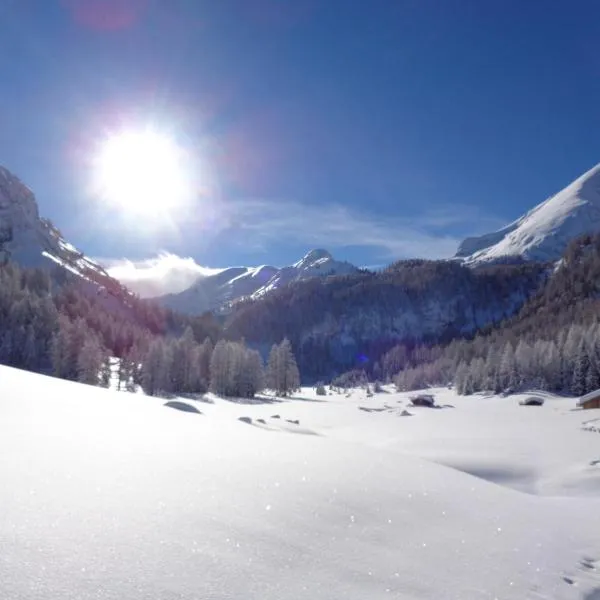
(142, 172)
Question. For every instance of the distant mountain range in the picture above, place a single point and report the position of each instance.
(540, 235)
(217, 292)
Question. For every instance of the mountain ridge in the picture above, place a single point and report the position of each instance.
(33, 241)
(218, 292)
(544, 232)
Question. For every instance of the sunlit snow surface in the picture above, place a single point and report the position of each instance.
(111, 495)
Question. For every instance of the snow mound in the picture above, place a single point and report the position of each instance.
(544, 232)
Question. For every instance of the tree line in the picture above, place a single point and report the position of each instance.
(552, 343)
(77, 333)
(345, 322)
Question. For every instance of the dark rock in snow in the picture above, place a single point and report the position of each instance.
(427, 400)
(183, 406)
(532, 401)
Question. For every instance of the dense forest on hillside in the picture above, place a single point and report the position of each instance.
(339, 323)
(418, 323)
(552, 343)
(52, 327)
(75, 330)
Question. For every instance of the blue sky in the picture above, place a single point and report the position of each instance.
(379, 129)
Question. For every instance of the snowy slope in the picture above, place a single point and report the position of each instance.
(115, 496)
(544, 232)
(214, 292)
(31, 241)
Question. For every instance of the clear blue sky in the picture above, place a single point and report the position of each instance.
(378, 129)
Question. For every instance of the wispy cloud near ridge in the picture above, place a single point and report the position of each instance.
(260, 225)
(163, 274)
(336, 226)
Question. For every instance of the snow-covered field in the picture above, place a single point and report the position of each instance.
(113, 496)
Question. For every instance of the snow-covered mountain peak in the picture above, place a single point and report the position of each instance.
(230, 285)
(312, 257)
(543, 233)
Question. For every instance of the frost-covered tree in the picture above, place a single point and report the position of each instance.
(251, 377)
(184, 377)
(219, 369)
(61, 365)
(90, 361)
(580, 372)
(282, 375)
(155, 368)
(507, 373)
(235, 371)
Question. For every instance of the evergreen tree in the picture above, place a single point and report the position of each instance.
(507, 374)
(219, 369)
(155, 369)
(89, 361)
(282, 374)
(580, 372)
(60, 349)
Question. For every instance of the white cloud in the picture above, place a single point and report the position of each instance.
(164, 274)
(336, 226)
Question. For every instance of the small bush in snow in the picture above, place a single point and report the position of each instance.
(320, 390)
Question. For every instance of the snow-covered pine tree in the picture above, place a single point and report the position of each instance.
(219, 369)
(593, 375)
(524, 364)
(89, 361)
(282, 374)
(492, 369)
(105, 370)
(155, 369)
(203, 357)
(59, 349)
(251, 378)
(580, 372)
(507, 374)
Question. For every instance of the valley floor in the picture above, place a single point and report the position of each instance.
(112, 496)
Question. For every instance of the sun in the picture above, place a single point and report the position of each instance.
(141, 173)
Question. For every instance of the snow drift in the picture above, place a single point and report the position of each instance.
(114, 496)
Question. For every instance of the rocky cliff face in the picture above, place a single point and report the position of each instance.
(32, 241)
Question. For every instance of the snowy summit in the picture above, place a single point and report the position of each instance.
(545, 231)
(213, 292)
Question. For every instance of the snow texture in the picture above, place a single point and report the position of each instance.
(544, 232)
(111, 495)
(219, 291)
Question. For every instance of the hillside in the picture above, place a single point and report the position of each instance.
(117, 496)
(343, 322)
(551, 342)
